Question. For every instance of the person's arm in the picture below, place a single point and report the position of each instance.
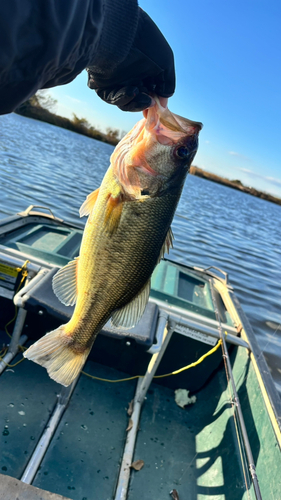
(44, 43)
(147, 69)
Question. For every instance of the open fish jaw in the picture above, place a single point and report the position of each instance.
(163, 123)
(145, 158)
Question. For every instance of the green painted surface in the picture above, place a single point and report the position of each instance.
(170, 280)
(191, 450)
(44, 238)
(196, 450)
(27, 398)
(265, 447)
(181, 287)
(158, 276)
(54, 244)
(84, 456)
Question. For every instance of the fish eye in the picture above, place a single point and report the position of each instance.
(182, 152)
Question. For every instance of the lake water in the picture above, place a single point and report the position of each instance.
(214, 225)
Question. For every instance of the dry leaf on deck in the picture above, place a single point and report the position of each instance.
(130, 425)
(131, 407)
(174, 494)
(137, 465)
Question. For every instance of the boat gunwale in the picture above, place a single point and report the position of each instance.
(269, 392)
(13, 222)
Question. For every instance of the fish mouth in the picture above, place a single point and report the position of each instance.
(168, 127)
(131, 159)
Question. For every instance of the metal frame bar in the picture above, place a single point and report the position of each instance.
(176, 314)
(50, 429)
(251, 463)
(21, 297)
(17, 339)
(141, 390)
(160, 331)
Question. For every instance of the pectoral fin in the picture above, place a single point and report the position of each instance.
(65, 283)
(89, 203)
(131, 313)
(113, 212)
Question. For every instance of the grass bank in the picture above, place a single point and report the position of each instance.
(236, 184)
(33, 109)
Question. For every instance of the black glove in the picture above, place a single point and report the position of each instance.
(147, 69)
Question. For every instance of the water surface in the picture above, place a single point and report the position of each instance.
(215, 225)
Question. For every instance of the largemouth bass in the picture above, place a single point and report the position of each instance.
(127, 232)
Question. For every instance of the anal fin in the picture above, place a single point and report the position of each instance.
(131, 313)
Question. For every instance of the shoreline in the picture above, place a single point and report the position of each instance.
(42, 114)
(199, 172)
(37, 112)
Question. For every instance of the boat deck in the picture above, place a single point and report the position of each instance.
(192, 450)
(77, 450)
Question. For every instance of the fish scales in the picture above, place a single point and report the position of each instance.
(135, 258)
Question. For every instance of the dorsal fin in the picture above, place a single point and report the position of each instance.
(89, 203)
(65, 283)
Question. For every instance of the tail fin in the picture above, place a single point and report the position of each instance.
(54, 353)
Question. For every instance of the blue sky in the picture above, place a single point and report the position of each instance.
(228, 68)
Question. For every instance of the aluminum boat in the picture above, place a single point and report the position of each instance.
(182, 406)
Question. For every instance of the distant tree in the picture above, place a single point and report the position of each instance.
(82, 122)
(112, 133)
(236, 181)
(44, 100)
(122, 134)
(37, 106)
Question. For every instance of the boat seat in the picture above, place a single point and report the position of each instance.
(40, 299)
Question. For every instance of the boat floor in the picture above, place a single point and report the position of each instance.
(182, 449)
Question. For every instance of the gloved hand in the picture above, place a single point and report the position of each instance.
(147, 69)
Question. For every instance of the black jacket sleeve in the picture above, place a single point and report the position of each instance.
(147, 69)
(44, 43)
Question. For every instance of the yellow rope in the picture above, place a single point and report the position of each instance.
(3, 354)
(24, 271)
(160, 376)
(11, 321)
(112, 381)
(214, 349)
(15, 364)
(195, 363)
